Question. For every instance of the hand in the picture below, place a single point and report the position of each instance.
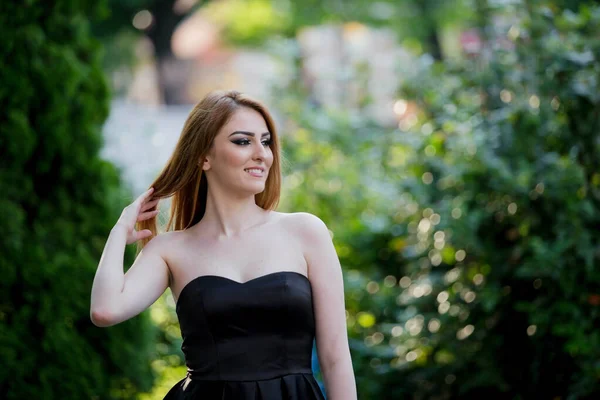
(138, 211)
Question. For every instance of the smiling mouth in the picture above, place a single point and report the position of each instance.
(255, 172)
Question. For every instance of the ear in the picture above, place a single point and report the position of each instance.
(205, 165)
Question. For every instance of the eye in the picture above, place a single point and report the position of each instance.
(266, 142)
(241, 142)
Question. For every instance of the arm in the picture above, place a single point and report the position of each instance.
(117, 297)
(325, 274)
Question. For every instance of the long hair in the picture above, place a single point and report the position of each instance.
(183, 177)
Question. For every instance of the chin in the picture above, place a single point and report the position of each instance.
(260, 190)
(255, 189)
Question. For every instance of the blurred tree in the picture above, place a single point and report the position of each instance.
(472, 259)
(497, 228)
(251, 22)
(468, 235)
(59, 202)
(418, 23)
(157, 19)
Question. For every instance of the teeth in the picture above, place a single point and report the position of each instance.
(258, 171)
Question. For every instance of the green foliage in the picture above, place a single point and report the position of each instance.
(247, 22)
(469, 236)
(168, 363)
(117, 16)
(505, 230)
(59, 202)
(251, 23)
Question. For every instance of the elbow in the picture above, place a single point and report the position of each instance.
(335, 357)
(101, 319)
(329, 364)
(329, 359)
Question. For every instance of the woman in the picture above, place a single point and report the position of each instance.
(253, 286)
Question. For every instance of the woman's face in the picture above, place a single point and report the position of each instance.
(241, 156)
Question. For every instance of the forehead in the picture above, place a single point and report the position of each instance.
(245, 119)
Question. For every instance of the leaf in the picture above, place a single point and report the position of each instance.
(580, 58)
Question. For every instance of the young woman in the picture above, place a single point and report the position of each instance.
(253, 286)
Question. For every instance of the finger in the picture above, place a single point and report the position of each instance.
(147, 215)
(154, 200)
(143, 234)
(142, 197)
(149, 205)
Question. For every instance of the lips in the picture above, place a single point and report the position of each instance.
(257, 172)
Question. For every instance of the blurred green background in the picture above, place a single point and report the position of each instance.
(452, 147)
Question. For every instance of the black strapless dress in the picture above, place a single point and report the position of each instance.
(249, 340)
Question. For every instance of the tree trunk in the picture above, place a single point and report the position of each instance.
(431, 37)
(165, 21)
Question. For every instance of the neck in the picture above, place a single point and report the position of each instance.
(227, 216)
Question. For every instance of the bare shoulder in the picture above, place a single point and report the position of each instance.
(162, 243)
(307, 226)
(164, 247)
(317, 247)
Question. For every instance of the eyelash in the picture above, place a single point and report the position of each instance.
(246, 142)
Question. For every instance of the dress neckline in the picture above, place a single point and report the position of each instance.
(234, 282)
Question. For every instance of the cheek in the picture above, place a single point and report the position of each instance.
(269, 159)
(234, 158)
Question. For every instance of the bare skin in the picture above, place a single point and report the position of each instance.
(235, 239)
(260, 250)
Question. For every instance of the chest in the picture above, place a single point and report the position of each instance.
(238, 259)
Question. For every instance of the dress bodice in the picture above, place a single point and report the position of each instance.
(247, 340)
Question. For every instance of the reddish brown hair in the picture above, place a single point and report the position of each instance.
(183, 178)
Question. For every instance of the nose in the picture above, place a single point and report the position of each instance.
(260, 152)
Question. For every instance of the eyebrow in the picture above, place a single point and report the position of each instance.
(249, 133)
